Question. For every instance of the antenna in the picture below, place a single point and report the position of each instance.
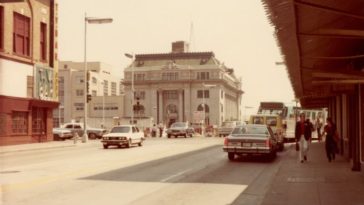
(192, 39)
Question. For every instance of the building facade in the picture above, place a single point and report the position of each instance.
(28, 70)
(106, 98)
(182, 86)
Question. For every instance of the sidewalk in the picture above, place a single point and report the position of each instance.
(44, 146)
(315, 182)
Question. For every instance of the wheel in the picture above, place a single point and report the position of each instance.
(92, 135)
(185, 135)
(140, 143)
(231, 156)
(169, 136)
(191, 135)
(129, 144)
(105, 146)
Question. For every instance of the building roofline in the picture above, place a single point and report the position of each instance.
(171, 56)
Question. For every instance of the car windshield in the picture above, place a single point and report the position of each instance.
(258, 120)
(249, 130)
(179, 124)
(272, 121)
(120, 130)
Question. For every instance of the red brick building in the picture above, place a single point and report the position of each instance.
(28, 70)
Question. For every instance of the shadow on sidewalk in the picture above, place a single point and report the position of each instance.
(315, 182)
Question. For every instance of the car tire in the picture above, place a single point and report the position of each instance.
(191, 135)
(106, 146)
(185, 135)
(92, 135)
(169, 136)
(231, 156)
(128, 145)
(140, 143)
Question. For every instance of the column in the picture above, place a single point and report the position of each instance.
(160, 106)
(180, 103)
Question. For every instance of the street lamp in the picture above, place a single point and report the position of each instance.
(208, 86)
(131, 56)
(90, 20)
(103, 104)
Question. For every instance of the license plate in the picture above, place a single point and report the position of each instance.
(234, 143)
(246, 144)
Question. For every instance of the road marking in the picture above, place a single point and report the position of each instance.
(175, 175)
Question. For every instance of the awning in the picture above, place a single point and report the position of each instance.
(323, 46)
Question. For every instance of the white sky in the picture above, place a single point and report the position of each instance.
(237, 31)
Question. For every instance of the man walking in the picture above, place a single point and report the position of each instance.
(303, 134)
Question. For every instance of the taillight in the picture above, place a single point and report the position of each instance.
(267, 143)
(226, 141)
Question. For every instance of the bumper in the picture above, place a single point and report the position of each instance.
(241, 150)
(114, 142)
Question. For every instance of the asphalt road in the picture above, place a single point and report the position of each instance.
(163, 171)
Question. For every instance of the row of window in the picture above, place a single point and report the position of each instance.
(172, 76)
(21, 35)
(106, 108)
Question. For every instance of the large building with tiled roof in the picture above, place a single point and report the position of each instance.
(174, 86)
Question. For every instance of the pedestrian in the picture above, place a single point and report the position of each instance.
(318, 125)
(303, 134)
(154, 130)
(330, 143)
(160, 129)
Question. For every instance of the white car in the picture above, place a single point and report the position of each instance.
(123, 135)
(62, 134)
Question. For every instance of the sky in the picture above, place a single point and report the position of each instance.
(237, 31)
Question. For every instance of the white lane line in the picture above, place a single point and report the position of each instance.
(175, 175)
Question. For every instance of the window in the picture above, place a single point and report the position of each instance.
(113, 88)
(21, 43)
(170, 76)
(203, 75)
(170, 94)
(106, 87)
(222, 94)
(30, 85)
(79, 92)
(1, 27)
(43, 41)
(203, 94)
(19, 122)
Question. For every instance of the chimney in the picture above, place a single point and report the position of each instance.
(179, 47)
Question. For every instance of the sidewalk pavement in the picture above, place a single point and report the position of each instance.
(44, 146)
(315, 182)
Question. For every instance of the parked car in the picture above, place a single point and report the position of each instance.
(92, 133)
(251, 139)
(180, 129)
(227, 127)
(273, 121)
(123, 135)
(62, 134)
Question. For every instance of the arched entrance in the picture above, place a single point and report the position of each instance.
(171, 114)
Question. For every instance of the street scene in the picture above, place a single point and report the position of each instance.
(191, 102)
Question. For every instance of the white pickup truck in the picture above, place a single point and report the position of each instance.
(93, 133)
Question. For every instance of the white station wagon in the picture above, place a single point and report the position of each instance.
(123, 135)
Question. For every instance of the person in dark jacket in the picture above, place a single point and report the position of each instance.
(330, 143)
(303, 134)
